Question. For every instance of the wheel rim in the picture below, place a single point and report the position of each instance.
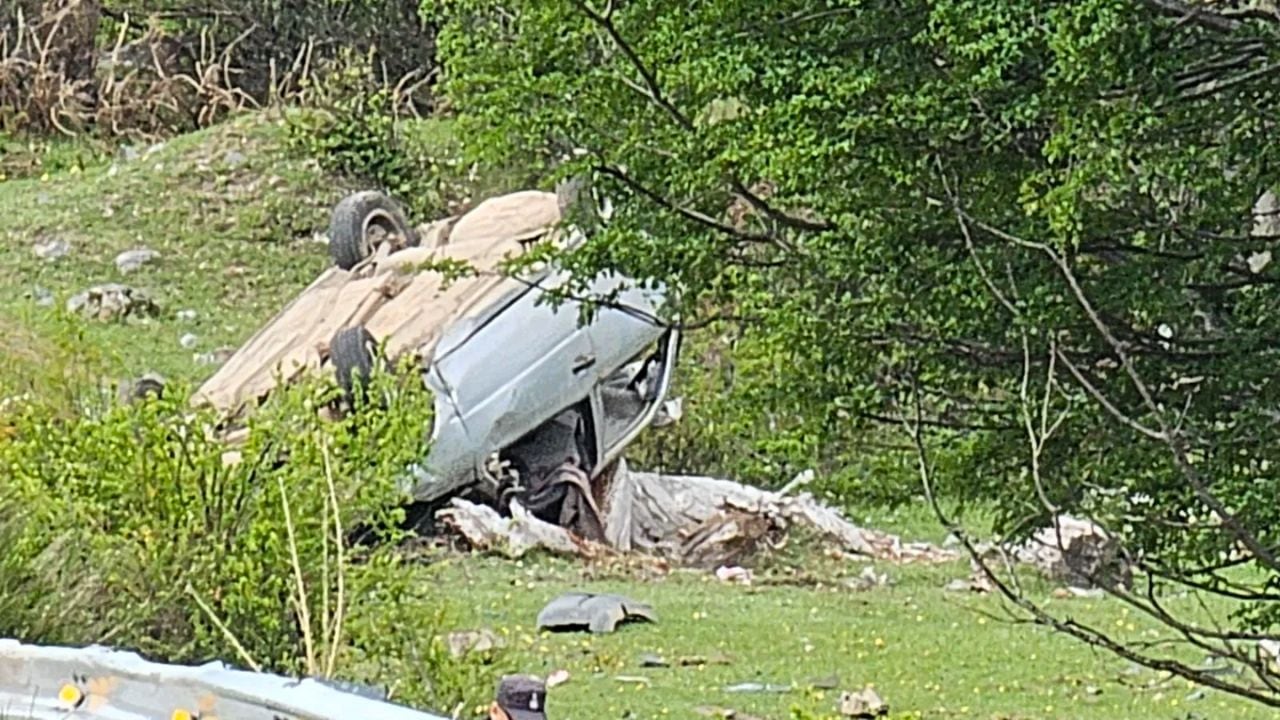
(380, 219)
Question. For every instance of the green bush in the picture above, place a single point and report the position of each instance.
(352, 128)
(130, 524)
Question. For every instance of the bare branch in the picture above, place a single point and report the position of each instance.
(696, 216)
(1197, 14)
(1174, 441)
(651, 87)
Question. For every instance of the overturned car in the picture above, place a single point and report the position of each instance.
(530, 401)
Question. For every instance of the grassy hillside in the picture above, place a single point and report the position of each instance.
(232, 214)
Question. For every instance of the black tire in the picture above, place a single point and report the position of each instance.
(354, 216)
(352, 353)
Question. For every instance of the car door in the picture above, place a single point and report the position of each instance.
(626, 337)
(510, 370)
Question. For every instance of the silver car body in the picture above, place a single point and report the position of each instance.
(500, 375)
(501, 360)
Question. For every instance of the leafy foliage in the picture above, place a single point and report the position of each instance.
(1023, 232)
(147, 533)
(355, 131)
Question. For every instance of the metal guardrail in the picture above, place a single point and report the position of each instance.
(48, 683)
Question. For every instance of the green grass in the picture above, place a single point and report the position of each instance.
(928, 652)
(234, 213)
(230, 212)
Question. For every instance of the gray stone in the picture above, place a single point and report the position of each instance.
(186, 315)
(112, 301)
(133, 260)
(188, 341)
(43, 296)
(51, 249)
(864, 703)
(465, 642)
(234, 158)
(217, 357)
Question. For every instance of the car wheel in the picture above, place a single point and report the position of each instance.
(352, 352)
(362, 221)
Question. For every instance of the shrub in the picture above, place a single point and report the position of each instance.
(130, 524)
(353, 128)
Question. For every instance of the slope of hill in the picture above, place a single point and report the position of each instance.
(230, 213)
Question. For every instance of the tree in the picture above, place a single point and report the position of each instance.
(1026, 233)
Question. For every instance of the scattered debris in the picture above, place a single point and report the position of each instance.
(725, 713)
(865, 703)
(465, 642)
(188, 340)
(216, 357)
(633, 679)
(149, 385)
(186, 315)
(1077, 552)
(1270, 649)
(734, 574)
(52, 249)
(42, 295)
(694, 521)
(868, 579)
(1266, 217)
(558, 677)
(233, 158)
(112, 301)
(977, 581)
(755, 687)
(596, 613)
(1066, 593)
(709, 522)
(653, 661)
(133, 260)
(484, 529)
